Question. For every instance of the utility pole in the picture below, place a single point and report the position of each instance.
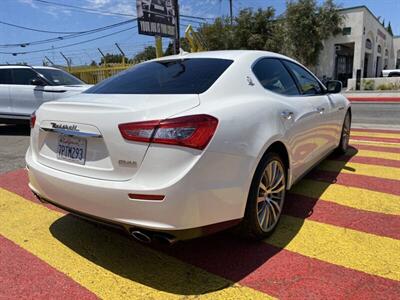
(159, 52)
(177, 45)
(67, 60)
(231, 10)
(102, 54)
(122, 52)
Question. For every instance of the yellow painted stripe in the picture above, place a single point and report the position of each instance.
(361, 169)
(374, 143)
(375, 154)
(105, 262)
(364, 252)
(349, 196)
(375, 134)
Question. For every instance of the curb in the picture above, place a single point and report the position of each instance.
(375, 99)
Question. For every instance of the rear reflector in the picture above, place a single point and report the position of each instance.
(190, 131)
(32, 120)
(146, 197)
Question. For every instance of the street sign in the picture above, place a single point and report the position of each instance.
(157, 17)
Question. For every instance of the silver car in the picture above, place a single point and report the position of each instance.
(24, 88)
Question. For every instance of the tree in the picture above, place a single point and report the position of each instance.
(218, 35)
(255, 30)
(249, 30)
(307, 25)
(183, 44)
(112, 59)
(148, 53)
(389, 28)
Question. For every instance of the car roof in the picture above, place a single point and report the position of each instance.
(224, 54)
(26, 67)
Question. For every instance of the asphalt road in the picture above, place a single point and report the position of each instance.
(14, 140)
(379, 114)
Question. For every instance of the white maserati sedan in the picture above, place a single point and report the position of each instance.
(187, 145)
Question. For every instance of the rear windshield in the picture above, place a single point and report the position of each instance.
(182, 76)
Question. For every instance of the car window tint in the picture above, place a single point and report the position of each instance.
(5, 76)
(24, 76)
(59, 77)
(274, 77)
(178, 76)
(308, 84)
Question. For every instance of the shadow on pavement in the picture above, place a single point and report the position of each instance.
(223, 254)
(16, 130)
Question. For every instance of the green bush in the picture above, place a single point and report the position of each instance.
(389, 86)
(368, 84)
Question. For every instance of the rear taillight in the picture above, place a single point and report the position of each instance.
(190, 131)
(32, 120)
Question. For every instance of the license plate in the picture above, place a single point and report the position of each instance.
(72, 149)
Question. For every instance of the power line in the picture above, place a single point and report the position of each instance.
(104, 12)
(66, 37)
(68, 45)
(92, 10)
(38, 30)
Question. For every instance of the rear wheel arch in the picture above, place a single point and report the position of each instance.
(279, 148)
(276, 151)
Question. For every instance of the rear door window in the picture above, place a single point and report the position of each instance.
(5, 76)
(178, 76)
(274, 77)
(24, 76)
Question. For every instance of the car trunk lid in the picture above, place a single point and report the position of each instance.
(81, 135)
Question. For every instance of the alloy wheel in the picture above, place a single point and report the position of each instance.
(271, 194)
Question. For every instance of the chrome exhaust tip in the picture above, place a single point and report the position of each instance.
(141, 237)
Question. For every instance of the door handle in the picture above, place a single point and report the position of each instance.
(320, 109)
(286, 114)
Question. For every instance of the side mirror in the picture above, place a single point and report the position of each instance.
(38, 82)
(334, 86)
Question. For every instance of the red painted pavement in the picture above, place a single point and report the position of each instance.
(276, 271)
(24, 276)
(376, 130)
(389, 186)
(343, 216)
(375, 139)
(376, 148)
(374, 99)
(281, 273)
(371, 161)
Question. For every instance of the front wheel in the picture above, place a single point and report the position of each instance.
(345, 135)
(266, 198)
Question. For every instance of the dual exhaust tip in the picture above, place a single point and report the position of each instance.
(138, 235)
(147, 238)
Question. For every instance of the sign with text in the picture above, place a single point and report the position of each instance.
(156, 17)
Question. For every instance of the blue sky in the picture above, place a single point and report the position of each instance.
(31, 13)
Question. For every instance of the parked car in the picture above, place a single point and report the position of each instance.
(187, 145)
(391, 73)
(23, 89)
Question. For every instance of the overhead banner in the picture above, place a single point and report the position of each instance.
(157, 17)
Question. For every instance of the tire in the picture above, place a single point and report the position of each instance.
(263, 209)
(345, 135)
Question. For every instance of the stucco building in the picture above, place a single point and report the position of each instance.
(363, 45)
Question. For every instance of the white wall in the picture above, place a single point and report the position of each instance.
(396, 46)
(358, 19)
(326, 64)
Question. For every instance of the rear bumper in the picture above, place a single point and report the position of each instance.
(200, 202)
